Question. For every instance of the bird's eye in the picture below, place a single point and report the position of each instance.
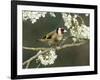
(62, 30)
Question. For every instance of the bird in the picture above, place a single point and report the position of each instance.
(54, 37)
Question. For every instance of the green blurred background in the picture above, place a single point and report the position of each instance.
(73, 56)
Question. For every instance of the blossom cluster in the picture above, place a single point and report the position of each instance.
(77, 31)
(33, 16)
(67, 20)
(81, 33)
(47, 58)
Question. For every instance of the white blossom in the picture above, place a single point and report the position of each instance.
(77, 31)
(67, 20)
(43, 14)
(75, 19)
(52, 14)
(87, 14)
(33, 16)
(81, 32)
(48, 58)
(75, 16)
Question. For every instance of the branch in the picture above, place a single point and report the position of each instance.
(57, 48)
(70, 45)
(34, 49)
(33, 57)
(44, 50)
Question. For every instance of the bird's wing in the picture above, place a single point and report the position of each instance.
(49, 35)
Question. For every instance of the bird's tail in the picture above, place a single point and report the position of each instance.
(41, 40)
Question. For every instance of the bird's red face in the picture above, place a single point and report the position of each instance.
(61, 31)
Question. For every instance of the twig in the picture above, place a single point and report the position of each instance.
(34, 49)
(33, 57)
(70, 45)
(28, 64)
(58, 47)
(47, 49)
(38, 65)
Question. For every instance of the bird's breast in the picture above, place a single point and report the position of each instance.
(59, 38)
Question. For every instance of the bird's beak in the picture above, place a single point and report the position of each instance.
(65, 30)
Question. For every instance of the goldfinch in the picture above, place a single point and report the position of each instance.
(54, 37)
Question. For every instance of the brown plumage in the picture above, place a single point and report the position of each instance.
(54, 37)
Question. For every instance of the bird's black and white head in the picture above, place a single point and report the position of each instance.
(60, 30)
